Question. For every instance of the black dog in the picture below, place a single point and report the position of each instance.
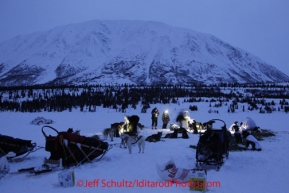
(175, 133)
(154, 137)
(172, 135)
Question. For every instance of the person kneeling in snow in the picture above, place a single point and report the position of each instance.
(251, 140)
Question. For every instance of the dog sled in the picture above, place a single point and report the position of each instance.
(14, 147)
(213, 145)
(72, 148)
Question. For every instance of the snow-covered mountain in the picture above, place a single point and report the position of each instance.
(135, 52)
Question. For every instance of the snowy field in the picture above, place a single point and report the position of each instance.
(245, 171)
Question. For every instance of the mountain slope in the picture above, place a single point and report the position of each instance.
(136, 52)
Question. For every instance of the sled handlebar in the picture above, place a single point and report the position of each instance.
(50, 128)
(224, 126)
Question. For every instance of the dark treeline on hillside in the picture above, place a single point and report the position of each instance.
(40, 98)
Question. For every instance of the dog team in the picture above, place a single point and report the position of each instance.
(128, 130)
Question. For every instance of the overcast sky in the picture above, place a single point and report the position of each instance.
(260, 27)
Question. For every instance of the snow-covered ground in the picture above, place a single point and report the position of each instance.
(246, 171)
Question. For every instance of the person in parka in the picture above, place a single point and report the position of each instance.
(184, 118)
(236, 132)
(165, 119)
(251, 140)
(155, 115)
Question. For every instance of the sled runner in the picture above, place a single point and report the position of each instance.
(72, 148)
(213, 146)
(18, 146)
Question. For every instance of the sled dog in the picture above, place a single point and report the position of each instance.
(129, 141)
(154, 137)
(118, 128)
(108, 132)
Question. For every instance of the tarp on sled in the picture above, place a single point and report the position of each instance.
(248, 124)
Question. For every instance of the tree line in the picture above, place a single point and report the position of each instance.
(40, 98)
